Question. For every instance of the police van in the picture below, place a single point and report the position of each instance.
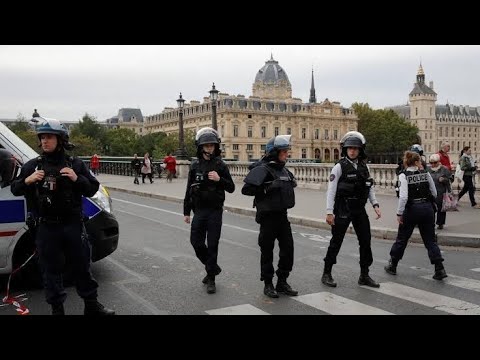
(16, 243)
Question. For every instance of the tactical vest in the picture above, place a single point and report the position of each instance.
(206, 193)
(354, 183)
(279, 194)
(418, 186)
(55, 192)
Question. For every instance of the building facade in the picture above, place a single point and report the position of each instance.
(127, 118)
(246, 124)
(459, 125)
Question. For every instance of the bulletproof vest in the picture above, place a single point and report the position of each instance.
(418, 187)
(55, 192)
(354, 183)
(206, 193)
(279, 192)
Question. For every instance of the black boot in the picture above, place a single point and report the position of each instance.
(57, 309)
(211, 289)
(440, 272)
(205, 279)
(269, 290)
(391, 268)
(284, 288)
(327, 278)
(366, 280)
(93, 307)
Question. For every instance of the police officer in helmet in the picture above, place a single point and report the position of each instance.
(349, 188)
(53, 185)
(8, 168)
(273, 187)
(416, 207)
(208, 179)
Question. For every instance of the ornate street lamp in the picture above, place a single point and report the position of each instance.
(213, 99)
(180, 153)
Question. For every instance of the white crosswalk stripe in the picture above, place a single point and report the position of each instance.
(459, 281)
(338, 305)
(429, 299)
(476, 269)
(245, 309)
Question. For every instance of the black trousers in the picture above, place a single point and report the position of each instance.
(361, 224)
(59, 244)
(275, 226)
(420, 214)
(207, 225)
(149, 176)
(468, 186)
(441, 215)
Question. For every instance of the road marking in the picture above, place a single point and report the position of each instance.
(188, 230)
(338, 305)
(458, 281)
(476, 269)
(245, 309)
(426, 298)
(138, 278)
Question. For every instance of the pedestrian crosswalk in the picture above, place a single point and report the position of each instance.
(334, 304)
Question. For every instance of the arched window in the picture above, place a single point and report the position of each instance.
(327, 155)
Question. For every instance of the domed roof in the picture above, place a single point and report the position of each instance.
(271, 73)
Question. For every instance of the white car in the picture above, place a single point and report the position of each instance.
(16, 243)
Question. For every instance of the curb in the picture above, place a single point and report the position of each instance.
(452, 239)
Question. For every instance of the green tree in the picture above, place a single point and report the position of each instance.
(30, 138)
(20, 125)
(89, 127)
(384, 130)
(84, 145)
(169, 143)
(121, 142)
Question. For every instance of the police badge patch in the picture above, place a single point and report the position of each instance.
(332, 177)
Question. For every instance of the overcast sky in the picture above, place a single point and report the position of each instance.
(65, 82)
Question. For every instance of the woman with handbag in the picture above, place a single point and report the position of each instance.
(441, 178)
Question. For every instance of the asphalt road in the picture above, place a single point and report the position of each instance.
(155, 271)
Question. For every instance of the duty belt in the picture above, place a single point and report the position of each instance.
(418, 201)
(57, 219)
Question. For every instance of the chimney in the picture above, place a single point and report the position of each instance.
(431, 85)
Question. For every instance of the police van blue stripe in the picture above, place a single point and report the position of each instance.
(12, 211)
(90, 208)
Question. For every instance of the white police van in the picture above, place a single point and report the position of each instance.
(16, 244)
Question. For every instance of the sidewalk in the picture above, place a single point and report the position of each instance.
(462, 227)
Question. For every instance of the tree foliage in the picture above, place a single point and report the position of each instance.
(384, 130)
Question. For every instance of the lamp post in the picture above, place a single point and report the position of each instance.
(213, 99)
(180, 153)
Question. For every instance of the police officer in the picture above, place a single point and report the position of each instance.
(416, 207)
(349, 188)
(208, 179)
(53, 185)
(273, 187)
(8, 168)
(415, 148)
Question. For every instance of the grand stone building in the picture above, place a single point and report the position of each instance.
(459, 125)
(128, 118)
(246, 124)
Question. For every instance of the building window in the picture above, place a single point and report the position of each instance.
(326, 134)
(235, 146)
(317, 134)
(250, 156)
(249, 116)
(235, 130)
(263, 148)
(276, 117)
(249, 147)
(304, 133)
(249, 131)
(335, 134)
(222, 131)
(235, 157)
(416, 111)
(430, 111)
(276, 131)
(235, 116)
(304, 153)
(289, 131)
(264, 131)
(441, 132)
